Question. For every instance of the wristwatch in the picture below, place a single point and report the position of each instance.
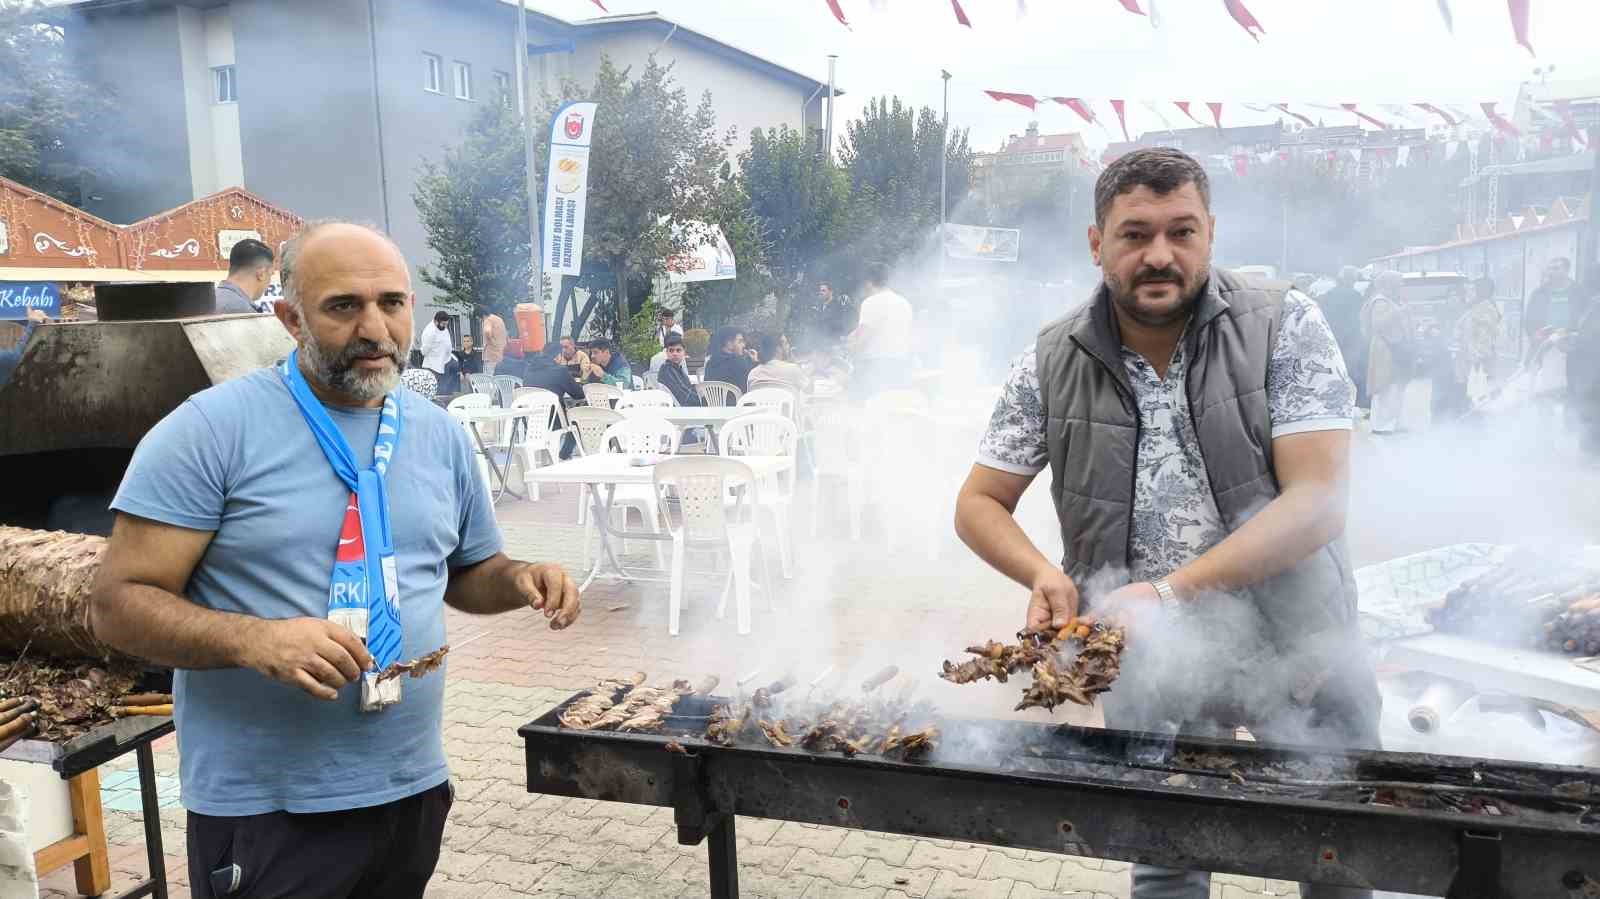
(1169, 596)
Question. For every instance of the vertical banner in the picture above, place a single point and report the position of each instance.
(566, 188)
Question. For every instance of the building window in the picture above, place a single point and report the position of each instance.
(432, 73)
(502, 86)
(226, 83)
(463, 81)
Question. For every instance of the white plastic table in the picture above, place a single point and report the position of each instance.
(607, 470)
(477, 416)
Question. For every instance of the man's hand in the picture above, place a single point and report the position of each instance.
(37, 316)
(313, 654)
(1054, 600)
(548, 588)
(1127, 604)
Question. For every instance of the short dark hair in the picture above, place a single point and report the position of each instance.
(602, 344)
(768, 347)
(724, 336)
(666, 313)
(671, 341)
(441, 316)
(248, 253)
(1162, 169)
(876, 273)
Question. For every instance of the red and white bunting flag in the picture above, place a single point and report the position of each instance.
(961, 14)
(1132, 6)
(1519, 22)
(1155, 110)
(1351, 107)
(1241, 164)
(1184, 105)
(601, 5)
(1248, 22)
(1448, 118)
(1216, 112)
(1449, 20)
(1500, 122)
(1079, 107)
(1564, 109)
(1019, 99)
(1122, 118)
(833, 7)
(1284, 107)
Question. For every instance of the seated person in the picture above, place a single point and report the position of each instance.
(775, 369)
(730, 362)
(544, 369)
(609, 366)
(674, 374)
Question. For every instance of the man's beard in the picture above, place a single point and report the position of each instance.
(1127, 298)
(338, 372)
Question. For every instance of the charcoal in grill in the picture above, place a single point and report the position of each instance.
(1527, 603)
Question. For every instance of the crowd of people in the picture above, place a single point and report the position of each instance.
(1460, 345)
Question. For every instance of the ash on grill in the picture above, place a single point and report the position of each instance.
(1075, 664)
(1530, 603)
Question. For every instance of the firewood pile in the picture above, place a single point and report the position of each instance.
(45, 578)
(1075, 664)
(1536, 606)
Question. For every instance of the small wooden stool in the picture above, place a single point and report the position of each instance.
(86, 849)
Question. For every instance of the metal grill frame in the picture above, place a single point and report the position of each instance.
(1275, 836)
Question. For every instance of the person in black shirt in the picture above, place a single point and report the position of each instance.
(730, 363)
(545, 371)
(674, 374)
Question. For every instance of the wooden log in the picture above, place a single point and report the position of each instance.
(145, 699)
(130, 711)
(45, 579)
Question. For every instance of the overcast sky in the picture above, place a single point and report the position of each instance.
(1327, 51)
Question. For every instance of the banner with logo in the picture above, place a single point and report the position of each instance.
(567, 188)
(17, 297)
(982, 244)
(711, 260)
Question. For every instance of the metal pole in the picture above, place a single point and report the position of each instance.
(827, 130)
(525, 93)
(944, 158)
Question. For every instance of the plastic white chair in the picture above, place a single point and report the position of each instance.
(506, 388)
(536, 438)
(834, 455)
(777, 399)
(769, 434)
(638, 382)
(588, 425)
(646, 399)
(719, 393)
(473, 401)
(635, 437)
(701, 485)
(482, 383)
(601, 396)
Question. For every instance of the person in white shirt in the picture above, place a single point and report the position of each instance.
(881, 341)
(436, 345)
(667, 323)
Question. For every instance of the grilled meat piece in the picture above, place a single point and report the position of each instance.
(416, 667)
(585, 713)
(775, 733)
(1074, 664)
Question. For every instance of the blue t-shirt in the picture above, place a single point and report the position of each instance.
(239, 460)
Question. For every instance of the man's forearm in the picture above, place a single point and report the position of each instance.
(486, 588)
(990, 531)
(150, 623)
(1299, 522)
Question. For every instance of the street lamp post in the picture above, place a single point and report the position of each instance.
(525, 94)
(944, 159)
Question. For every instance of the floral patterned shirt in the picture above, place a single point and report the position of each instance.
(1175, 517)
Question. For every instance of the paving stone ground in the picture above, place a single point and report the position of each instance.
(854, 605)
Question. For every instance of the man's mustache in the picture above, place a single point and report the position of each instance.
(363, 347)
(1156, 275)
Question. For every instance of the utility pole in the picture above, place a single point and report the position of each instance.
(525, 95)
(827, 130)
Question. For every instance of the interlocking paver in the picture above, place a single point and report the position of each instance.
(633, 837)
(643, 864)
(1077, 879)
(912, 881)
(950, 885)
(838, 870)
(773, 886)
(823, 889)
(510, 843)
(567, 851)
(562, 880)
(1042, 873)
(879, 846)
(927, 854)
(629, 886)
(515, 874)
(771, 859)
(824, 840)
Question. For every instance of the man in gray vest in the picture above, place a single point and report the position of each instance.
(1197, 430)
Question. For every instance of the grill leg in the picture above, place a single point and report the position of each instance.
(724, 855)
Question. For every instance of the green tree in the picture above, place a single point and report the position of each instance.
(892, 155)
(55, 128)
(473, 206)
(798, 199)
(654, 173)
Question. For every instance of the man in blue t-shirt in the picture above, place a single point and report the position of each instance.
(232, 514)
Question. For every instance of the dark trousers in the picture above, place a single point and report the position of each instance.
(383, 851)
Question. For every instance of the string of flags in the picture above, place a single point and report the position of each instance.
(1518, 9)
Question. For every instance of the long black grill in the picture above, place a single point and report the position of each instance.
(1435, 825)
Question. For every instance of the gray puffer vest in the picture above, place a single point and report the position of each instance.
(1092, 432)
